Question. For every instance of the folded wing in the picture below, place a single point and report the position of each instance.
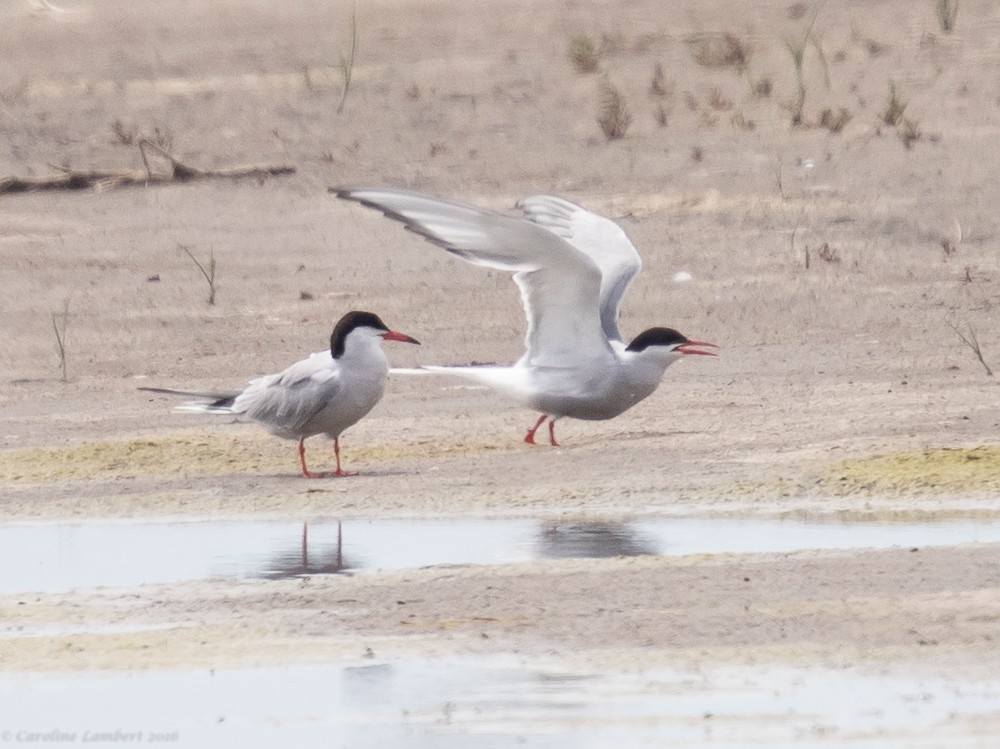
(286, 402)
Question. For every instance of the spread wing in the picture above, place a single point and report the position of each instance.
(601, 239)
(560, 285)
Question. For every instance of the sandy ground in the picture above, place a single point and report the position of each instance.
(842, 387)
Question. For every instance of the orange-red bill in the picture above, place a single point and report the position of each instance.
(393, 335)
(688, 348)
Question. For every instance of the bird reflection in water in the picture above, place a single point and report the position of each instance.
(297, 562)
(593, 541)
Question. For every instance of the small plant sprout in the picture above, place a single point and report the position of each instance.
(895, 106)
(59, 322)
(972, 341)
(583, 54)
(613, 115)
(347, 63)
(208, 273)
(797, 47)
(947, 13)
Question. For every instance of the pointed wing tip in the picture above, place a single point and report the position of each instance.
(367, 196)
(348, 193)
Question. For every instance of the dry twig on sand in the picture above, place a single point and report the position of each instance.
(972, 341)
(97, 179)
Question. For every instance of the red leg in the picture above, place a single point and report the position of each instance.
(530, 436)
(336, 453)
(552, 433)
(306, 473)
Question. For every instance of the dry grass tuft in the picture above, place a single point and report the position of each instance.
(612, 44)
(972, 341)
(797, 11)
(762, 88)
(614, 116)
(895, 107)
(347, 64)
(59, 322)
(130, 135)
(658, 85)
(124, 135)
(207, 270)
(796, 47)
(662, 116)
(947, 14)
(834, 121)
(719, 50)
(740, 121)
(583, 54)
(910, 132)
(718, 102)
(828, 254)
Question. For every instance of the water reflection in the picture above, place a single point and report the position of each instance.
(594, 541)
(580, 540)
(61, 556)
(505, 702)
(298, 561)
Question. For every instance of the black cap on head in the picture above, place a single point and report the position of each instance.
(349, 322)
(656, 337)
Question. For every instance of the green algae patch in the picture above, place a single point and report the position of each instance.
(201, 455)
(942, 470)
(180, 456)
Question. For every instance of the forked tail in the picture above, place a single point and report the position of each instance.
(217, 403)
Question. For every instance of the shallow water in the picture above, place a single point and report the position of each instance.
(60, 556)
(502, 702)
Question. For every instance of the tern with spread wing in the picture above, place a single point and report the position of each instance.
(323, 394)
(573, 268)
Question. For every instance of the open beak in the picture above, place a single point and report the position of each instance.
(689, 347)
(392, 335)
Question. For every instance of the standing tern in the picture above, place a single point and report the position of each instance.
(573, 268)
(323, 394)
